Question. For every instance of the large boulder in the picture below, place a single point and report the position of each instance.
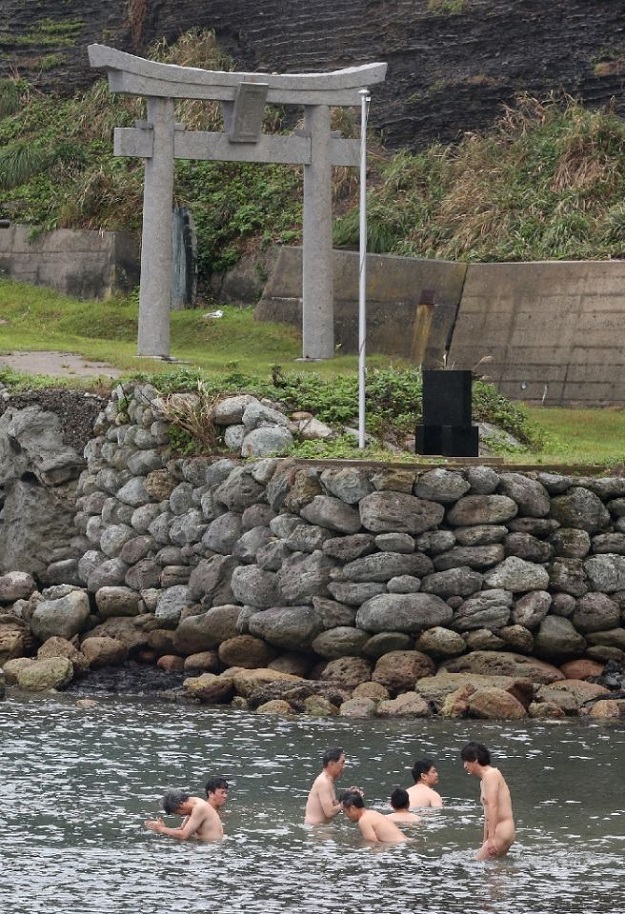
(65, 616)
(409, 613)
(504, 663)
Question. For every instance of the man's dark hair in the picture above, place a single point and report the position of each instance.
(216, 783)
(331, 755)
(400, 799)
(173, 798)
(421, 766)
(353, 798)
(475, 752)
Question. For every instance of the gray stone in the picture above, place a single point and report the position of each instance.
(210, 580)
(580, 508)
(540, 527)
(384, 642)
(117, 601)
(479, 557)
(483, 480)
(252, 541)
(233, 437)
(554, 483)
(398, 512)
(239, 490)
(143, 575)
(16, 585)
(440, 642)
(229, 411)
(220, 470)
(140, 463)
(609, 543)
(349, 548)
(395, 542)
(206, 630)
(480, 535)
(568, 576)
(382, 566)
(114, 537)
(110, 573)
(596, 612)
(134, 493)
(143, 516)
(350, 484)
(489, 609)
(288, 627)
(257, 415)
(482, 509)
(170, 604)
(282, 525)
(304, 576)
(435, 541)
(332, 513)
(307, 538)
(263, 470)
(223, 533)
(518, 576)
(181, 499)
(257, 515)
(264, 442)
(187, 528)
(563, 604)
(606, 487)
(404, 583)
(569, 542)
(63, 617)
(440, 485)
(255, 587)
(527, 547)
(136, 549)
(343, 641)
(530, 609)
(605, 572)
(460, 582)
(334, 614)
(531, 497)
(354, 594)
(271, 556)
(409, 613)
(557, 639)
(115, 512)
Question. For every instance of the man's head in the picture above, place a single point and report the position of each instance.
(474, 754)
(400, 800)
(353, 804)
(424, 772)
(333, 761)
(173, 799)
(217, 792)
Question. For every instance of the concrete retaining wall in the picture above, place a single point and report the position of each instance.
(83, 264)
(541, 332)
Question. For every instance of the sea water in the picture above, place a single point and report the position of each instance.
(77, 783)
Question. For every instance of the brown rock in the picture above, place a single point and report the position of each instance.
(545, 710)
(209, 689)
(408, 704)
(608, 710)
(358, 708)
(170, 663)
(245, 681)
(292, 662)
(204, 662)
(582, 691)
(495, 704)
(277, 706)
(399, 670)
(581, 669)
(504, 663)
(61, 647)
(347, 672)
(247, 652)
(104, 651)
(374, 690)
(318, 706)
(12, 668)
(456, 704)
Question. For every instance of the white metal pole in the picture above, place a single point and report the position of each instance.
(365, 98)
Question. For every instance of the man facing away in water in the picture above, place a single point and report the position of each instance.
(495, 796)
(375, 826)
(201, 821)
(322, 805)
(425, 778)
(400, 802)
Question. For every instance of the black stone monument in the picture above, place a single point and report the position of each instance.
(446, 427)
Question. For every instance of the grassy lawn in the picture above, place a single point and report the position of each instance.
(35, 318)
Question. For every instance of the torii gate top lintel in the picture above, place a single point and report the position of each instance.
(135, 75)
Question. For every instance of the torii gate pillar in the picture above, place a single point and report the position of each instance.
(243, 97)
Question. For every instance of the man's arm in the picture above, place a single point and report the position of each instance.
(368, 831)
(327, 799)
(490, 799)
(188, 828)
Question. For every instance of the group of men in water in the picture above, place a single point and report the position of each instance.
(202, 818)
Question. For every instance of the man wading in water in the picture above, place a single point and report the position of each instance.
(322, 805)
(201, 821)
(495, 795)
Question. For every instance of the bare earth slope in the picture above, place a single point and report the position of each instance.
(452, 63)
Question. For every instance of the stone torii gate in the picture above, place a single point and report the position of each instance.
(243, 97)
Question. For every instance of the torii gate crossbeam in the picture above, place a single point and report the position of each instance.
(243, 96)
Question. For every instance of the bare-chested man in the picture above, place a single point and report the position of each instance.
(217, 789)
(201, 821)
(425, 777)
(322, 805)
(495, 795)
(374, 826)
(400, 801)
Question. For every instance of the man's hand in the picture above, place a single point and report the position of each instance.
(154, 824)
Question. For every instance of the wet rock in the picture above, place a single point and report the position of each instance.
(358, 708)
(246, 651)
(347, 672)
(495, 704)
(504, 663)
(408, 704)
(399, 670)
(102, 652)
(46, 674)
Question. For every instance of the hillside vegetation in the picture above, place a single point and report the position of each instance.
(547, 181)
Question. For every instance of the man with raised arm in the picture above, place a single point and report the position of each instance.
(495, 796)
(322, 805)
(200, 820)
(375, 826)
(425, 778)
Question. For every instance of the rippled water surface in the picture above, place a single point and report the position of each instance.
(77, 784)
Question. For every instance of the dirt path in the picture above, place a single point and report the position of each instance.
(57, 364)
